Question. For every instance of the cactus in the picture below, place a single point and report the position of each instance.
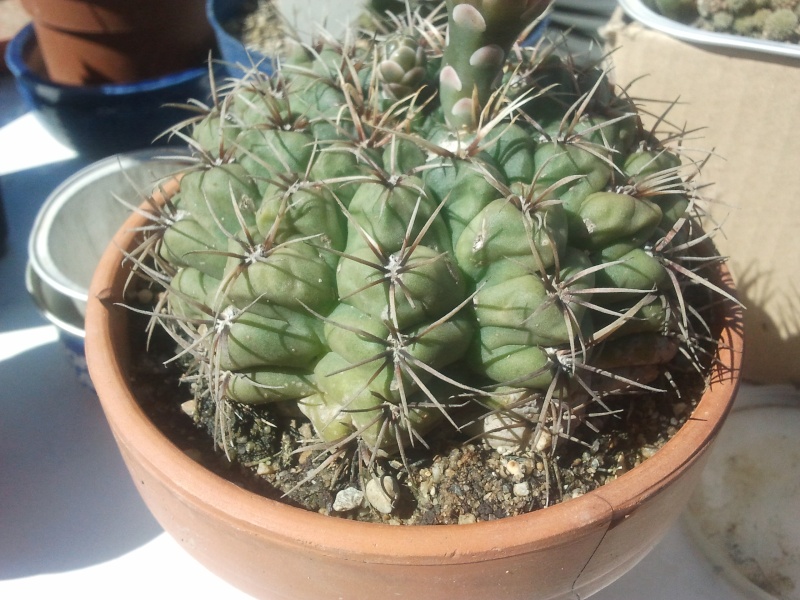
(438, 232)
(782, 25)
(774, 20)
(684, 11)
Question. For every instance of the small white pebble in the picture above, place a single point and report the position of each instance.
(514, 468)
(522, 489)
(436, 473)
(189, 407)
(505, 434)
(348, 499)
(381, 493)
(425, 492)
(467, 519)
(543, 441)
(265, 468)
(648, 451)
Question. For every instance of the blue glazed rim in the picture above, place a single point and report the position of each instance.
(15, 59)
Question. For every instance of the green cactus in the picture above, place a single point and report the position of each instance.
(775, 20)
(781, 25)
(382, 260)
(680, 10)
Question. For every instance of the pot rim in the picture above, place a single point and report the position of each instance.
(111, 16)
(373, 542)
(25, 40)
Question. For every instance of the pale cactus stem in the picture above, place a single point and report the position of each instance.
(480, 35)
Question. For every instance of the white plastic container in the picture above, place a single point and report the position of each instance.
(76, 223)
(745, 512)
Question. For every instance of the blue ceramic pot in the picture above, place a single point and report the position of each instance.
(231, 49)
(99, 120)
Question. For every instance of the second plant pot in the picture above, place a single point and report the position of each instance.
(118, 41)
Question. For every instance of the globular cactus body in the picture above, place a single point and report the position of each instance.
(381, 258)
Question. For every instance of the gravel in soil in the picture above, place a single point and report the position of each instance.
(465, 481)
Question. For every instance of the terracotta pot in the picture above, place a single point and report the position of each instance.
(119, 41)
(272, 550)
(12, 19)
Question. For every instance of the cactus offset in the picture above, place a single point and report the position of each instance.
(385, 260)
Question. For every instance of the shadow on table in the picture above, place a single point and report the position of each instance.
(66, 499)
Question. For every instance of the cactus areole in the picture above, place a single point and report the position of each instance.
(432, 234)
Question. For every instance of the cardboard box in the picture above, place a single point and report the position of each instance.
(749, 105)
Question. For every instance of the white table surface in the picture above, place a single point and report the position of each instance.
(71, 521)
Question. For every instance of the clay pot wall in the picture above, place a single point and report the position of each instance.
(119, 41)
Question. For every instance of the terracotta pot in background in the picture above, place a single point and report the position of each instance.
(272, 550)
(100, 120)
(119, 41)
(12, 19)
